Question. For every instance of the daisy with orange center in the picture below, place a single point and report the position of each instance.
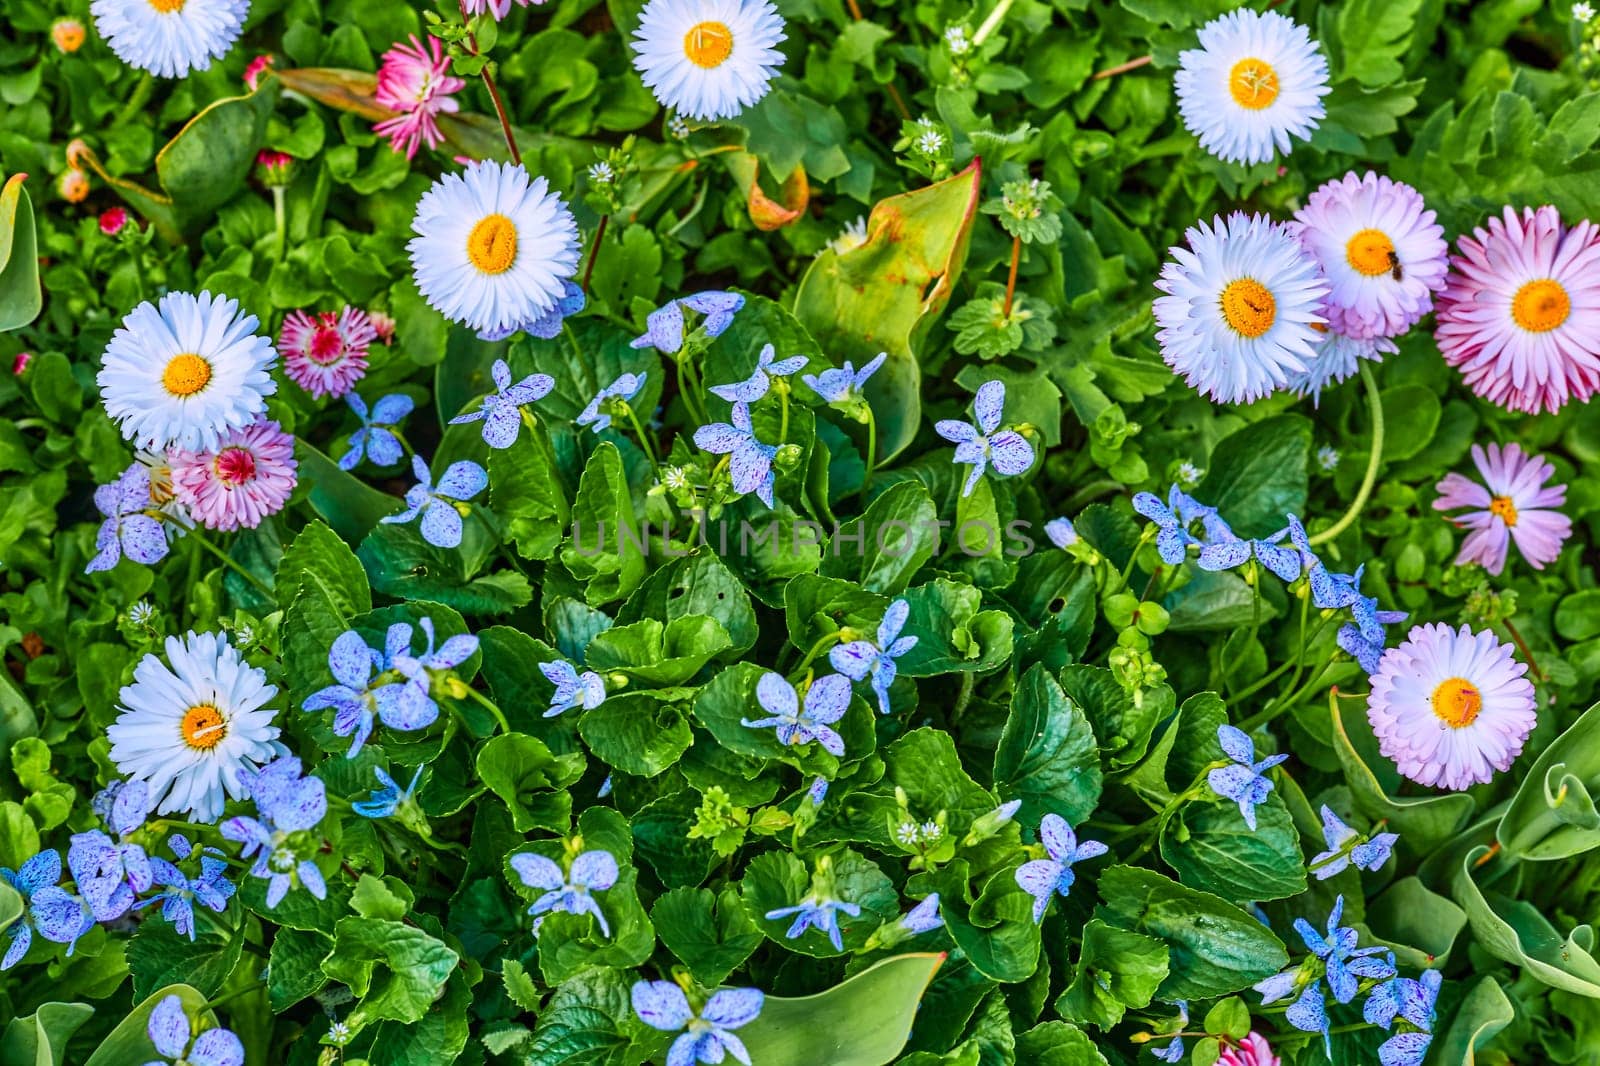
(1451, 707)
(1520, 311)
(191, 726)
(1514, 504)
(1242, 309)
(170, 38)
(709, 59)
(1256, 81)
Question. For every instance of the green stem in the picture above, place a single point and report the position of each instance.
(991, 23)
(229, 561)
(491, 707)
(783, 422)
(1283, 703)
(872, 452)
(235, 994)
(1374, 460)
(280, 221)
(1091, 491)
(816, 649)
(136, 102)
(644, 440)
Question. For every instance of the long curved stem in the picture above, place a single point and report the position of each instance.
(231, 562)
(1375, 460)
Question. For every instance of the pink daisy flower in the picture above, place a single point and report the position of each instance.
(245, 478)
(1253, 1050)
(1451, 707)
(1382, 252)
(1520, 311)
(415, 82)
(1516, 505)
(326, 354)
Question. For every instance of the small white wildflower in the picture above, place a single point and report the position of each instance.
(339, 1033)
(929, 142)
(853, 236)
(678, 126)
(908, 833)
(1582, 13)
(1189, 474)
(142, 613)
(675, 477)
(601, 173)
(1327, 458)
(955, 38)
(932, 832)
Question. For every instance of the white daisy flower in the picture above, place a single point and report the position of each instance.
(192, 729)
(186, 371)
(1255, 80)
(1582, 12)
(492, 246)
(169, 38)
(1243, 300)
(709, 59)
(853, 236)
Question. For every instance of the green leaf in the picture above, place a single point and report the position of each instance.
(994, 926)
(319, 556)
(1418, 923)
(658, 655)
(1484, 1012)
(711, 933)
(588, 1022)
(350, 505)
(889, 543)
(636, 733)
(1057, 1043)
(397, 970)
(953, 634)
(523, 772)
(610, 562)
(1047, 755)
(777, 880)
(1209, 847)
(1258, 475)
(525, 489)
(1514, 931)
(1117, 969)
(41, 1038)
(130, 1042)
(697, 585)
(520, 988)
(886, 294)
(863, 1022)
(1374, 36)
(294, 969)
(20, 295)
(158, 954)
(1553, 814)
(1216, 948)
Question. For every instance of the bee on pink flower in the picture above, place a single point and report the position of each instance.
(326, 354)
(248, 476)
(1516, 506)
(415, 82)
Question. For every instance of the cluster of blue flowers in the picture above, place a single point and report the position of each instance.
(1221, 549)
(170, 1031)
(113, 873)
(1335, 959)
(395, 686)
(288, 807)
(570, 890)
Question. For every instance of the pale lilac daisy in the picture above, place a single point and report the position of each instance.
(1044, 879)
(439, 505)
(249, 475)
(1451, 707)
(1380, 249)
(826, 701)
(501, 410)
(750, 465)
(1520, 311)
(980, 446)
(1514, 504)
(1242, 304)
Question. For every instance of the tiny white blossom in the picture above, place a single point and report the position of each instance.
(955, 38)
(601, 173)
(1328, 458)
(1582, 13)
(932, 832)
(678, 126)
(908, 833)
(929, 142)
(142, 613)
(1189, 474)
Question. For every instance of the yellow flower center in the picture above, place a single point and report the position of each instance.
(166, 7)
(492, 244)
(1248, 307)
(1540, 306)
(186, 374)
(1456, 702)
(1253, 83)
(203, 727)
(1370, 252)
(1502, 506)
(708, 45)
